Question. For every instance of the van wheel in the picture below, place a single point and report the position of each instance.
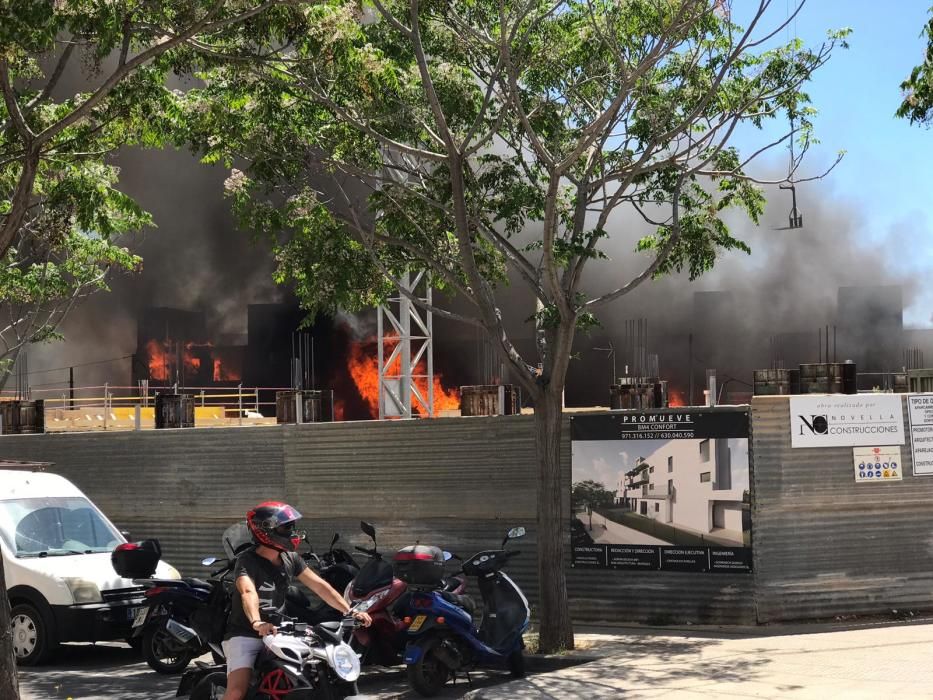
(33, 637)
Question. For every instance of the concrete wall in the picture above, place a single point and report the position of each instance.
(825, 545)
(458, 482)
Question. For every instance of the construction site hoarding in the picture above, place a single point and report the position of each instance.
(661, 490)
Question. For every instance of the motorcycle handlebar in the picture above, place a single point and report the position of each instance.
(364, 550)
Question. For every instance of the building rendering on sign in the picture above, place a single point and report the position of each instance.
(696, 486)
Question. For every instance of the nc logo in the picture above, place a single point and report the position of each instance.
(817, 425)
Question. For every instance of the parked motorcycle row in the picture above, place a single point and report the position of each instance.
(421, 616)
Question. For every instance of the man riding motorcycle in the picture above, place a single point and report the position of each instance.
(262, 576)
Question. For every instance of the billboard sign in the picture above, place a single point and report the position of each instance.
(854, 420)
(663, 490)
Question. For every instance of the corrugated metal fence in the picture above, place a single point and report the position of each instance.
(457, 482)
(825, 545)
(822, 544)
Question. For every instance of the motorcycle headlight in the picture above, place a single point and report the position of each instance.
(344, 661)
(371, 601)
(83, 591)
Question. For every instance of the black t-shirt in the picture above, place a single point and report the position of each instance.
(271, 582)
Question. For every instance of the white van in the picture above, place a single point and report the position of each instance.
(56, 548)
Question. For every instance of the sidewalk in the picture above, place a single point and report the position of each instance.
(892, 661)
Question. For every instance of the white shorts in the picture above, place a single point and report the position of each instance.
(241, 652)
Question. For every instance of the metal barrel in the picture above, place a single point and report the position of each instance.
(490, 400)
(317, 405)
(32, 416)
(768, 382)
(174, 411)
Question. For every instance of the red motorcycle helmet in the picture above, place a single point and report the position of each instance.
(273, 524)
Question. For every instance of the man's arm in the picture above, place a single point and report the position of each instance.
(325, 592)
(250, 599)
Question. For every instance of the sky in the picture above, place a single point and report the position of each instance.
(886, 173)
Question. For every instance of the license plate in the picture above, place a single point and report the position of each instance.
(417, 622)
(139, 617)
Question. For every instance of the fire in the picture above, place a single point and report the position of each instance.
(675, 399)
(158, 361)
(363, 365)
(223, 372)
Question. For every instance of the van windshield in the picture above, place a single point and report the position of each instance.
(40, 527)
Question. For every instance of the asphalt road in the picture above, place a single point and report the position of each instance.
(115, 672)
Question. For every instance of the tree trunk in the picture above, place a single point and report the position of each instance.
(9, 687)
(554, 615)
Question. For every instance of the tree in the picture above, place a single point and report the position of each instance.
(9, 685)
(917, 105)
(590, 494)
(491, 142)
(61, 214)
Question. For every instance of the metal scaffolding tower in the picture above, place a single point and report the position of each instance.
(410, 341)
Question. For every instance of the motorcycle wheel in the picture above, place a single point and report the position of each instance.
(428, 675)
(516, 663)
(164, 653)
(211, 687)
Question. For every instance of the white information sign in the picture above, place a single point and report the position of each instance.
(846, 420)
(873, 464)
(921, 432)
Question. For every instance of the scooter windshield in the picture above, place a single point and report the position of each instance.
(376, 573)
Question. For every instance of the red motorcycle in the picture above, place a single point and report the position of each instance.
(377, 591)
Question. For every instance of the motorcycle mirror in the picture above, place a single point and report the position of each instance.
(368, 529)
(126, 535)
(208, 561)
(334, 541)
(512, 534)
(447, 555)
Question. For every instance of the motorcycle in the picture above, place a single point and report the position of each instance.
(376, 591)
(184, 618)
(442, 638)
(298, 661)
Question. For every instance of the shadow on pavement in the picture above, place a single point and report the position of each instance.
(86, 671)
(641, 663)
(115, 672)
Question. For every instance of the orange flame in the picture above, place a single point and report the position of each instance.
(363, 365)
(158, 361)
(675, 399)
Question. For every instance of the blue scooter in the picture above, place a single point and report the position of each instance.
(442, 637)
